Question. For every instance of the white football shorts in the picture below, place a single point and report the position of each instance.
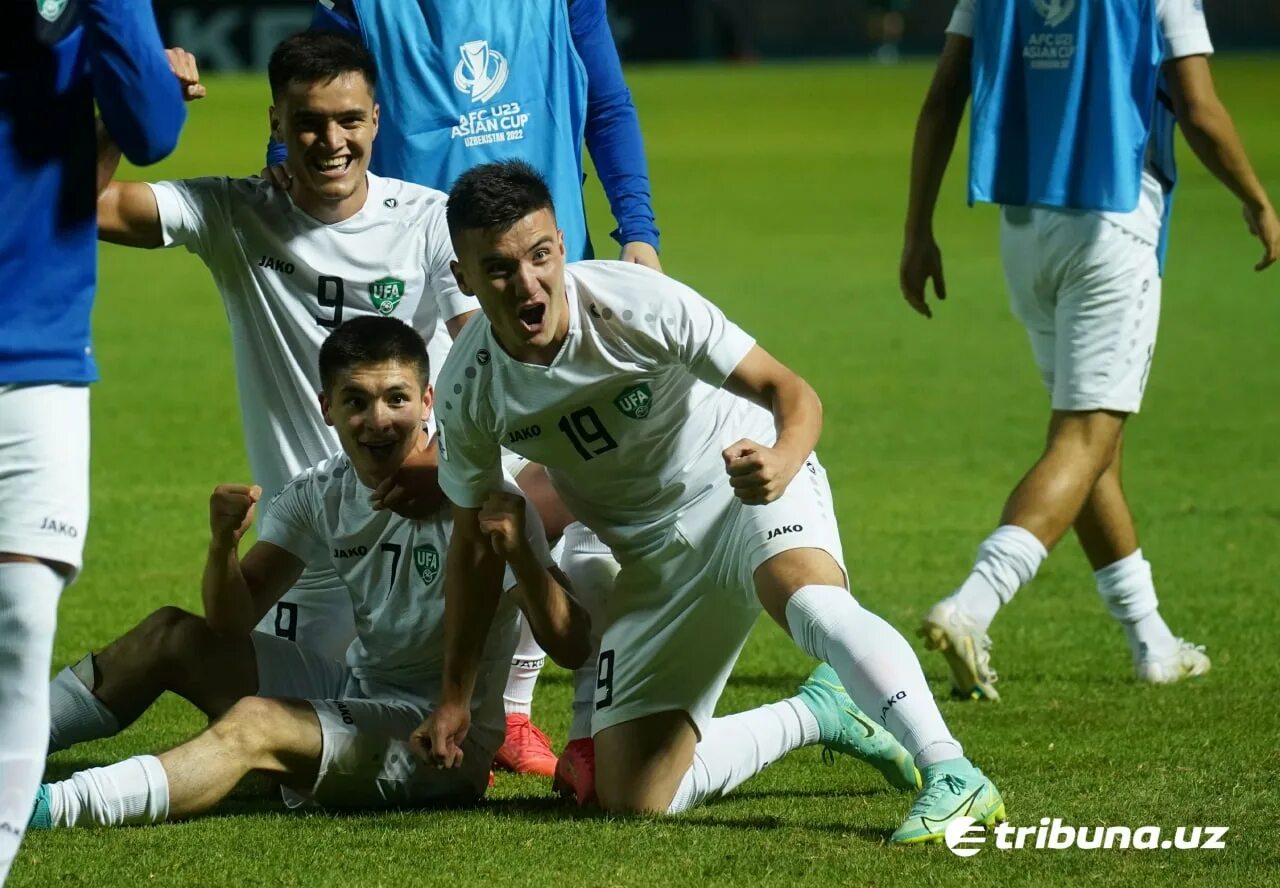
(365, 759)
(1088, 292)
(44, 472)
(677, 619)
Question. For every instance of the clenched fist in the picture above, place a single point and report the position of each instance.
(231, 509)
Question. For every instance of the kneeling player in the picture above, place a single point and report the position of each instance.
(639, 397)
(329, 732)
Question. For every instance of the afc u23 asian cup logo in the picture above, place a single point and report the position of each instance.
(481, 72)
(1055, 12)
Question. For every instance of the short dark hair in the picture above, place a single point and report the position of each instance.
(495, 196)
(372, 340)
(318, 56)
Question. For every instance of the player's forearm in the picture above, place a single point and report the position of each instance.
(560, 625)
(228, 602)
(935, 139)
(472, 587)
(797, 414)
(1212, 135)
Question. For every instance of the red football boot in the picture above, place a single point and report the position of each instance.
(576, 772)
(526, 749)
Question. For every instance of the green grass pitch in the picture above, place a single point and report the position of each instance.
(780, 193)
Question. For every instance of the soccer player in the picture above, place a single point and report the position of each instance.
(481, 81)
(329, 732)
(341, 243)
(689, 450)
(57, 58)
(1082, 237)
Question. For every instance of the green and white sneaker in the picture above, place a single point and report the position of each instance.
(845, 728)
(952, 789)
(41, 816)
(967, 650)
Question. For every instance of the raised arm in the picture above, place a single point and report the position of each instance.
(127, 211)
(613, 134)
(1212, 135)
(760, 474)
(236, 592)
(935, 139)
(140, 103)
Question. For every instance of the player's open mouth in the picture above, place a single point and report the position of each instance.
(332, 167)
(381, 452)
(531, 317)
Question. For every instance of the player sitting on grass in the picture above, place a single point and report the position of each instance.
(330, 732)
(689, 450)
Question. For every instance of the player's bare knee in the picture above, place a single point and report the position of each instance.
(172, 635)
(248, 729)
(1089, 439)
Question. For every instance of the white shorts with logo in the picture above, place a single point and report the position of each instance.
(1088, 292)
(676, 620)
(316, 613)
(365, 759)
(44, 472)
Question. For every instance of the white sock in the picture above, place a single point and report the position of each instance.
(526, 665)
(75, 714)
(1007, 560)
(737, 747)
(877, 666)
(28, 615)
(591, 569)
(1130, 595)
(135, 790)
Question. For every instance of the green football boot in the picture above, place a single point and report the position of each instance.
(954, 788)
(845, 728)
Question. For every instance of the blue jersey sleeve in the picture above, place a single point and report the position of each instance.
(138, 96)
(328, 15)
(613, 128)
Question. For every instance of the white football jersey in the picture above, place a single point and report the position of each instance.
(629, 418)
(393, 568)
(288, 280)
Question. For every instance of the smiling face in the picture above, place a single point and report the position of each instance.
(518, 277)
(378, 410)
(328, 127)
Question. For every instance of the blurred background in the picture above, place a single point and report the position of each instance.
(231, 35)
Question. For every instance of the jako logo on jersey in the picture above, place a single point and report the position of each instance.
(345, 711)
(275, 264)
(50, 9)
(1055, 12)
(636, 401)
(385, 294)
(351, 553)
(786, 528)
(524, 434)
(888, 704)
(59, 527)
(482, 71)
(427, 560)
(482, 357)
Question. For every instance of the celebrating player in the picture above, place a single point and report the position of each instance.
(1082, 237)
(481, 81)
(330, 732)
(291, 267)
(689, 450)
(56, 61)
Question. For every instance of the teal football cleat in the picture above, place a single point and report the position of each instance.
(952, 789)
(41, 815)
(845, 728)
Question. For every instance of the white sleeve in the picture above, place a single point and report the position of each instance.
(962, 18)
(470, 460)
(190, 211)
(1183, 28)
(289, 523)
(700, 335)
(450, 301)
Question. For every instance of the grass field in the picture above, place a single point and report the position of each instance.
(780, 193)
